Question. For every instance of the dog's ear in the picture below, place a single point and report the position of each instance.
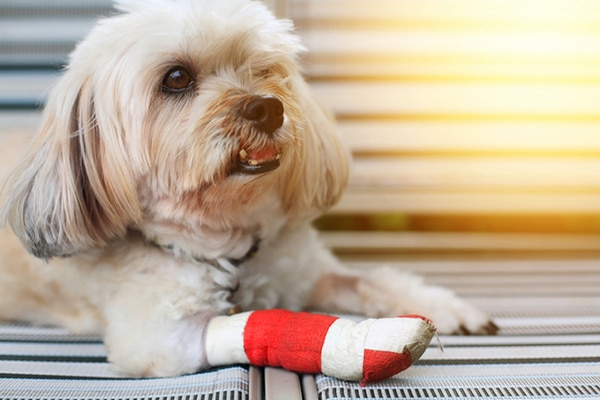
(319, 173)
(74, 189)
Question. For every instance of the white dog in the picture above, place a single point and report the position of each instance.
(178, 167)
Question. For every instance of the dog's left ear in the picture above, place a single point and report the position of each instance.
(319, 173)
(74, 189)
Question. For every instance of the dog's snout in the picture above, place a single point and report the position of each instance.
(265, 112)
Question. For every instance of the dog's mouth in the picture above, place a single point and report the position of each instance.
(254, 162)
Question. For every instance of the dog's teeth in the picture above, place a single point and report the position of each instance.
(244, 157)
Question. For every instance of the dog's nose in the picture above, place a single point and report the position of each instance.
(265, 112)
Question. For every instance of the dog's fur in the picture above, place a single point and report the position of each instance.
(137, 202)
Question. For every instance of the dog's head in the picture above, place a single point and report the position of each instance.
(175, 111)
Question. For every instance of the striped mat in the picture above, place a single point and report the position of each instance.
(549, 347)
(537, 356)
(48, 363)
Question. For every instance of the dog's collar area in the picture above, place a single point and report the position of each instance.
(228, 266)
(215, 262)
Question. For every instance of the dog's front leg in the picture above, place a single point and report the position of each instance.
(169, 347)
(386, 292)
(157, 316)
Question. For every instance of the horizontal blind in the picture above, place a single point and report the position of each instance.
(40, 34)
(36, 37)
(461, 106)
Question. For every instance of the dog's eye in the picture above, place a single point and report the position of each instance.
(177, 80)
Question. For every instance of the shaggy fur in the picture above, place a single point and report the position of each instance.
(159, 164)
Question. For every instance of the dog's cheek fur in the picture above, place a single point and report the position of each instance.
(191, 144)
(319, 172)
(71, 193)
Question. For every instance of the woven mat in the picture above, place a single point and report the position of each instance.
(548, 347)
(48, 363)
(560, 360)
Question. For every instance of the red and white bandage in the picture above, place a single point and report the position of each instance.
(366, 351)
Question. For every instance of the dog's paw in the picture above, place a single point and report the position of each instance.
(452, 315)
(157, 347)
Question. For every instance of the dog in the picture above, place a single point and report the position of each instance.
(180, 161)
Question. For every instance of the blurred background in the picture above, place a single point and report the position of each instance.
(465, 116)
(475, 124)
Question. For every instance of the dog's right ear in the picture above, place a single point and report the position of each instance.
(74, 189)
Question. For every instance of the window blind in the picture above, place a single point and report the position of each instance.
(462, 106)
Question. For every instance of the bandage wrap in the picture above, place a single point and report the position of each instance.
(365, 351)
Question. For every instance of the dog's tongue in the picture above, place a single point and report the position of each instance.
(257, 161)
(263, 154)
